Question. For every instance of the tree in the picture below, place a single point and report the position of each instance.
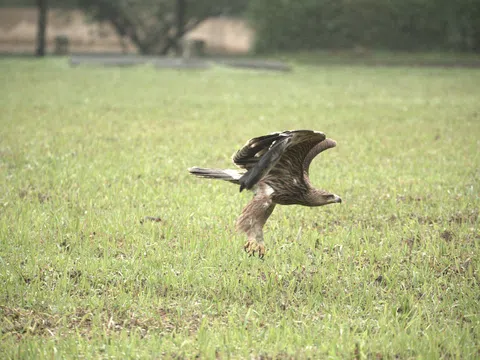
(156, 26)
(393, 24)
(181, 9)
(42, 6)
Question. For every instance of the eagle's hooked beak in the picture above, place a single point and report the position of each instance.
(337, 199)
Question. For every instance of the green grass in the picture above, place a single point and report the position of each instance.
(86, 153)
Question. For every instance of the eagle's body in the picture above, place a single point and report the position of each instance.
(277, 171)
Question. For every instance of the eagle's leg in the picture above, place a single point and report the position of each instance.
(251, 222)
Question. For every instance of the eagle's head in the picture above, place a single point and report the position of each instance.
(332, 198)
(322, 197)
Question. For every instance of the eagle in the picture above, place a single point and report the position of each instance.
(275, 167)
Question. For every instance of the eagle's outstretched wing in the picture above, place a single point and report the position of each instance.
(249, 155)
(285, 151)
(265, 163)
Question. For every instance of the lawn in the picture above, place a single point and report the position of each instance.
(86, 153)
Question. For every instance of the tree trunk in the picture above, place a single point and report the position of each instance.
(42, 27)
(180, 17)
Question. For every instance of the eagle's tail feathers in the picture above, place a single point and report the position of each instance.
(220, 174)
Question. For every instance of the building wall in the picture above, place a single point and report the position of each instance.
(224, 35)
(18, 28)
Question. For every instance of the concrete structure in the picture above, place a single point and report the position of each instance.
(222, 35)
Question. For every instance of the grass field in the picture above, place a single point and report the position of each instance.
(86, 153)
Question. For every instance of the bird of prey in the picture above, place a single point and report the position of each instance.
(275, 167)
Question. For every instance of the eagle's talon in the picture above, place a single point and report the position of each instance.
(252, 247)
(261, 251)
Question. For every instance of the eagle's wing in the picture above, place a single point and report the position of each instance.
(265, 163)
(293, 163)
(315, 150)
(283, 151)
(249, 155)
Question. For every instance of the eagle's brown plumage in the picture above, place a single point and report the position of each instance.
(277, 171)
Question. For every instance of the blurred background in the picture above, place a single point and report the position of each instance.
(238, 27)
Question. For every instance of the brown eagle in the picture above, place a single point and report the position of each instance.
(277, 172)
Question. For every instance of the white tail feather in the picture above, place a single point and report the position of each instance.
(220, 174)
